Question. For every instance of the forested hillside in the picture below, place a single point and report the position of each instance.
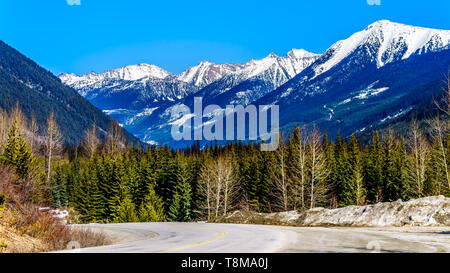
(426, 110)
(38, 93)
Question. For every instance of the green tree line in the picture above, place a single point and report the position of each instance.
(104, 180)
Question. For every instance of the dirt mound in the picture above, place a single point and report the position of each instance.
(427, 211)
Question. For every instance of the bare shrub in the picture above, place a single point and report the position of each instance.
(22, 216)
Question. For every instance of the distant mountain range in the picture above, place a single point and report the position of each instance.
(136, 87)
(38, 91)
(375, 75)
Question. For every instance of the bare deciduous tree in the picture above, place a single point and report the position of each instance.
(217, 185)
(281, 174)
(4, 127)
(318, 169)
(299, 166)
(53, 142)
(22, 122)
(34, 128)
(419, 158)
(115, 138)
(91, 141)
(444, 104)
(439, 130)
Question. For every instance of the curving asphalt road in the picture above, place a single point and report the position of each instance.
(234, 238)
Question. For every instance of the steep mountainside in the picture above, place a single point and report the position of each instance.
(39, 91)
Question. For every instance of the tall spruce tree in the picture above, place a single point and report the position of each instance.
(125, 211)
(180, 208)
(357, 190)
(17, 153)
(152, 207)
(342, 172)
(374, 171)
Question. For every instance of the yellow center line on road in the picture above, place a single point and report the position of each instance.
(222, 235)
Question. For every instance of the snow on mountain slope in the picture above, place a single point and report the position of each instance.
(131, 87)
(127, 73)
(144, 85)
(295, 61)
(389, 41)
(249, 82)
(206, 73)
(256, 78)
(366, 78)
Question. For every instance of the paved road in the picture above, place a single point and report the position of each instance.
(232, 238)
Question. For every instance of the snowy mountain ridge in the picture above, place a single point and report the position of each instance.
(144, 85)
(391, 41)
(200, 75)
(127, 73)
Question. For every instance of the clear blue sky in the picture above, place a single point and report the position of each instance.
(103, 34)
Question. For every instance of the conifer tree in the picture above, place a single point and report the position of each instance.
(125, 211)
(81, 196)
(180, 208)
(250, 174)
(374, 171)
(329, 149)
(102, 167)
(175, 209)
(96, 205)
(152, 209)
(394, 185)
(17, 153)
(117, 189)
(357, 191)
(342, 172)
(266, 165)
(435, 184)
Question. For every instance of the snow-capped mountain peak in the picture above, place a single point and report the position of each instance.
(136, 72)
(272, 55)
(126, 73)
(386, 41)
(295, 61)
(206, 72)
(300, 54)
